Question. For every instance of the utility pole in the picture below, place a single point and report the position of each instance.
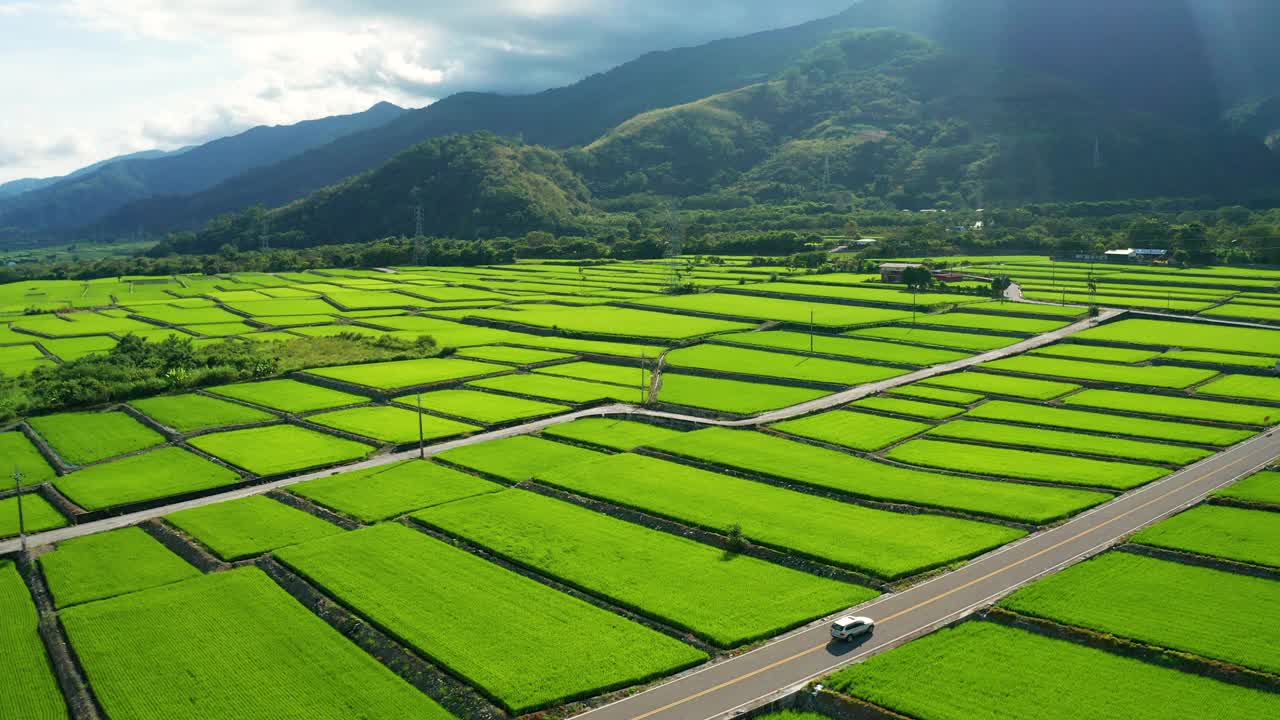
(810, 329)
(644, 389)
(422, 452)
(22, 522)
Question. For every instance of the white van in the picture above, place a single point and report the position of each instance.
(851, 626)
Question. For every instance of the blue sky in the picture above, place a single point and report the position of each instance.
(85, 80)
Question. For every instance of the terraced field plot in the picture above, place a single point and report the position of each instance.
(400, 374)
(392, 424)
(1249, 536)
(1070, 442)
(1174, 334)
(1001, 323)
(279, 449)
(1036, 677)
(842, 346)
(75, 348)
(1158, 302)
(822, 468)
(518, 458)
(595, 347)
(855, 430)
(611, 433)
(989, 384)
(885, 544)
(1140, 598)
(924, 392)
(81, 438)
(191, 411)
(1003, 462)
(37, 512)
(910, 408)
(511, 355)
(761, 309)
(869, 295)
(161, 473)
(1165, 376)
(483, 407)
(616, 321)
(249, 526)
(941, 338)
(108, 564)
(445, 602)
(1224, 359)
(241, 642)
(18, 452)
(384, 492)
(1262, 487)
(749, 361)
(1166, 406)
(1245, 311)
(725, 600)
(623, 375)
(1056, 417)
(1097, 353)
(552, 387)
(1052, 311)
(731, 396)
(33, 693)
(1249, 387)
(79, 323)
(288, 395)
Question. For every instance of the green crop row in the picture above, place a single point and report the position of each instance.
(483, 407)
(991, 384)
(1024, 464)
(1175, 334)
(1165, 376)
(475, 618)
(600, 372)
(570, 390)
(840, 345)
(190, 412)
(910, 408)
(942, 338)
(392, 424)
(1002, 323)
(139, 478)
(400, 374)
(923, 392)
(20, 454)
(731, 396)
(37, 513)
(1032, 414)
(1251, 536)
(611, 433)
(1250, 387)
(616, 321)
(1262, 487)
(749, 361)
(855, 430)
(511, 355)
(289, 395)
(726, 600)
(1068, 441)
(249, 526)
(1163, 405)
(518, 458)
(86, 437)
(1225, 359)
(108, 564)
(279, 449)
(384, 492)
(30, 691)
(762, 309)
(886, 544)
(1100, 353)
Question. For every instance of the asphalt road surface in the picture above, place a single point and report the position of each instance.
(795, 659)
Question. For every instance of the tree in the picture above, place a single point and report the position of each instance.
(917, 278)
(999, 284)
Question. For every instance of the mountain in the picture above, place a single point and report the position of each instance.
(886, 114)
(17, 187)
(86, 196)
(467, 186)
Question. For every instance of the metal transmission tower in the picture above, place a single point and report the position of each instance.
(417, 221)
(675, 246)
(264, 241)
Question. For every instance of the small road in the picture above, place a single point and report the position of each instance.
(724, 688)
(822, 403)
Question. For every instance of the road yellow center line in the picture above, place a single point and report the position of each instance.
(930, 601)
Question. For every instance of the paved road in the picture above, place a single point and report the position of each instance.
(822, 403)
(782, 665)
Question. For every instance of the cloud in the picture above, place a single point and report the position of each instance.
(290, 60)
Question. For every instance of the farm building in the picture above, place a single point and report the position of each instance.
(1136, 255)
(892, 272)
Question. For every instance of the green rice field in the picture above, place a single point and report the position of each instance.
(445, 602)
(886, 544)
(1218, 358)
(762, 309)
(750, 361)
(160, 473)
(910, 408)
(1249, 536)
(1070, 442)
(611, 433)
(401, 374)
(614, 321)
(1098, 353)
(511, 355)
(18, 452)
(958, 340)
(1262, 487)
(391, 424)
(1035, 677)
(1139, 598)
(1056, 417)
(855, 430)
(279, 449)
(839, 345)
(727, 601)
(1191, 336)
(1249, 387)
(240, 642)
(191, 411)
(483, 407)
(518, 458)
(387, 491)
(81, 438)
(731, 396)
(551, 387)
(289, 395)
(768, 455)
(1166, 406)
(990, 384)
(33, 693)
(1026, 465)
(600, 372)
(1001, 323)
(249, 526)
(1164, 376)
(108, 564)
(37, 511)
